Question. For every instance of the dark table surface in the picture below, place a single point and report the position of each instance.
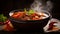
(11, 32)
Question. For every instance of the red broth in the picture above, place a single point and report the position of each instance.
(23, 16)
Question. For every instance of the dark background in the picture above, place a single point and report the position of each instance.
(7, 5)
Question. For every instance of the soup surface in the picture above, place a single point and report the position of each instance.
(23, 15)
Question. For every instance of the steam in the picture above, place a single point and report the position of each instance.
(49, 6)
(40, 5)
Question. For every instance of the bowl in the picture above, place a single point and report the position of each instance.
(29, 25)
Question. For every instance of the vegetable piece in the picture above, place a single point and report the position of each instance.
(25, 18)
(25, 10)
(34, 14)
(18, 15)
(30, 12)
(2, 18)
(35, 18)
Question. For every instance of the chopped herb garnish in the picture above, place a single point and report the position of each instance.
(29, 12)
